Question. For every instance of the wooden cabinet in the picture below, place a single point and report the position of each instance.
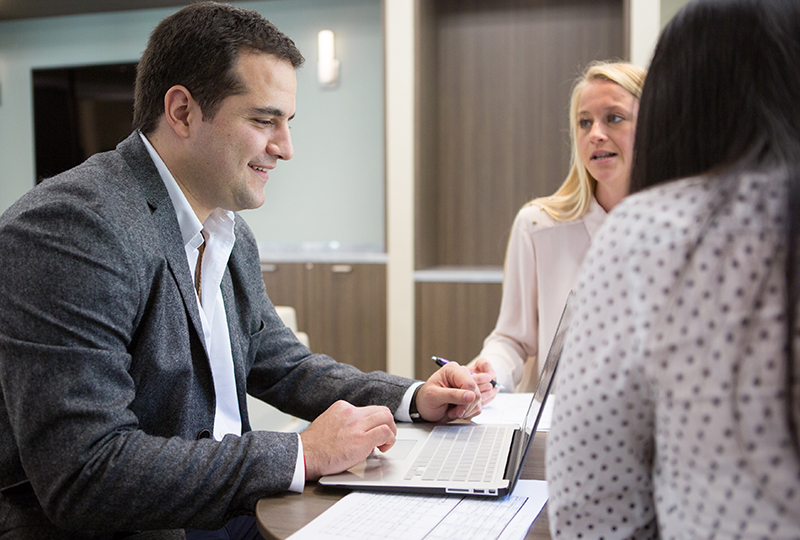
(342, 307)
(286, 286)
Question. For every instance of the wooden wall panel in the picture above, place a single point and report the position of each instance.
(503, 72)
(453, 319)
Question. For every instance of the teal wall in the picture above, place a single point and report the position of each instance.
(332, 190)
(669, 8)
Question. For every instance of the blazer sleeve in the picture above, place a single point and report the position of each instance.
(281, 370)
(70, 302)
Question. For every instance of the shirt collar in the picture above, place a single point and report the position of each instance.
(594, 217)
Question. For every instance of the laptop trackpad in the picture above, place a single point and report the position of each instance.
(400, 450)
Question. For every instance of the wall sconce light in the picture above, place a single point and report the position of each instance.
(328, 67)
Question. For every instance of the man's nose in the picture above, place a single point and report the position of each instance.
(281, 147)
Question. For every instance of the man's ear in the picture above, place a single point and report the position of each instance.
(181, 110)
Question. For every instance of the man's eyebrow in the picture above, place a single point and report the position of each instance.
(270, 111)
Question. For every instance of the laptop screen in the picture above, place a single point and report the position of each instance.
(542, 390)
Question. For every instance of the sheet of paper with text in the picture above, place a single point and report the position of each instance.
(386, 516)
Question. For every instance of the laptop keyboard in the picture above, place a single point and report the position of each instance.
(462, 453)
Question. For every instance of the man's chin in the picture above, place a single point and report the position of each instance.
(250, 203)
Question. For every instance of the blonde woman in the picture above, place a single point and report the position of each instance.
(551, 234)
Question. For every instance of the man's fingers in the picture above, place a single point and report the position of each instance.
(376, 428)
(466, 411)
(384, 439)
(463, 401)
(453, 396)
(449, 389)
(376, 416)
(344, 435)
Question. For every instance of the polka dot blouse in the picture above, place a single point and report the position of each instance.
(669, 419)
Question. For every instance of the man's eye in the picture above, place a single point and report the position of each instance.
(265, 122)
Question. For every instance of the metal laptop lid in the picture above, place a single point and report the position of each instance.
(543, 387)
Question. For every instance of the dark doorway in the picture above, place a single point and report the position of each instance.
(79, 111)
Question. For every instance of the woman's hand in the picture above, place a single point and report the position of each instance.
(484, 375)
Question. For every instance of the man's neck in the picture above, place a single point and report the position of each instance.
(169, 153)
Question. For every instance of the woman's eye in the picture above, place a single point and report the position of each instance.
(615, 118)
(585, 123)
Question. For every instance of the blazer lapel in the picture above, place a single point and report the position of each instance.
(165, 221)
(172, 243)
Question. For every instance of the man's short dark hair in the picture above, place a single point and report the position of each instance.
(198, 47)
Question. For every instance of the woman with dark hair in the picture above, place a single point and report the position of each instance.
(678, 395)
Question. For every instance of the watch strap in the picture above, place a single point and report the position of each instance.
(412, 408)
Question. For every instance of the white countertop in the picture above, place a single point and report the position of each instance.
(322, 252)
(460, 274)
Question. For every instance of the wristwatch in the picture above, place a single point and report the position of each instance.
(412, 409)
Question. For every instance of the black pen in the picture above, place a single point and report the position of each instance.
(442, 361)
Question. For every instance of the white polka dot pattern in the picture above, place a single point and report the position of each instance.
(669, 418)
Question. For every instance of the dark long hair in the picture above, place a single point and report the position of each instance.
(722, 97)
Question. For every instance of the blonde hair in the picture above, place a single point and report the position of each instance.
(572, 199)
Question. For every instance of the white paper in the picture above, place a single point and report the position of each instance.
(511, 409)
(384, 516)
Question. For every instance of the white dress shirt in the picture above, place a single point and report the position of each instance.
(219, 228)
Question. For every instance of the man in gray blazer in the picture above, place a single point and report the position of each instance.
(133, 315)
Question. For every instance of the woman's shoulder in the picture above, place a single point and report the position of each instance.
(671, 201)
(674, 189)
(685, 204)
(535, 218)
(680, 210)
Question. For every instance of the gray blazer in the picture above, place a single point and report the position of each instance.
(107, 400)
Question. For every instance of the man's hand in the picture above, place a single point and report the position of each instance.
(484, 373)
(344, 435)
(450, 393)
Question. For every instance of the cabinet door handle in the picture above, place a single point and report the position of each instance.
(265, 267)
(342, 268)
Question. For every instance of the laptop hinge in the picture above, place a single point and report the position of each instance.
(515, 454)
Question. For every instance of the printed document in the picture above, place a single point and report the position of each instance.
(365, 515)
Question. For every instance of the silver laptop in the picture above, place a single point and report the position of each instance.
(458, 458)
